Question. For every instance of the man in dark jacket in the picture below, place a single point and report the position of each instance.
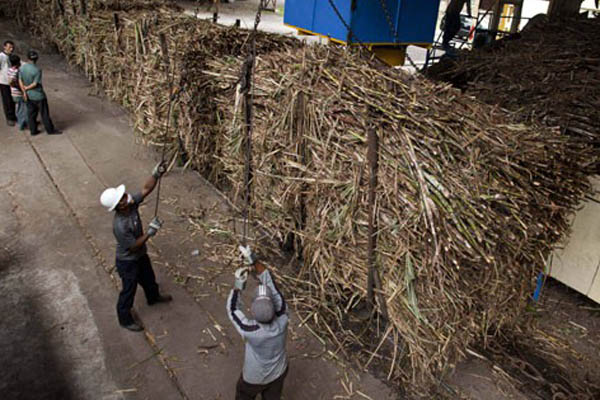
(452, 18)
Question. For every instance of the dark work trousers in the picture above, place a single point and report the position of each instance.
(41, 106)
(270, 391)
(8, 103)
(131, 273)
(452, 27)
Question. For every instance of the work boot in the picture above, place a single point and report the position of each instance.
(134, 327)
(162, 298)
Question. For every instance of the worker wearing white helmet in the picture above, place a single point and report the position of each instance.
(132, 261)
(265, 358)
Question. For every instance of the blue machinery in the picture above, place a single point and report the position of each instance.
(385, 26)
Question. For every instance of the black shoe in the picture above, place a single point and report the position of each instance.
(162, 298)
(35, 133)
(11, 122)
(133, 327)
(55, 132)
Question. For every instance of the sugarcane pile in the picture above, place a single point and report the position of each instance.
(468, 203)
(549, 73)
(467, 208)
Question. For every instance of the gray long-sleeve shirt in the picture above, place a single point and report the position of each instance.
(265, 356)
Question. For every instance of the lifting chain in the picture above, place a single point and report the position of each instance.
(389, 19)
(350, 33)
(247, 89)
(170, 79)
(394, 31)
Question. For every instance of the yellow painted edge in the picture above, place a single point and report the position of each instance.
(306, 31)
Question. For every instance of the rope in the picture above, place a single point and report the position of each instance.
(341, 18)
(166, 135)
(247, 86)
(352, 35)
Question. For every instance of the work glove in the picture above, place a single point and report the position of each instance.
(241, 276)
(247, 254)
(154, 226)
(159, 170)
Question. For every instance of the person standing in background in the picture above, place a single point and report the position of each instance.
(5, 92)
(30, 80)
(17, 94)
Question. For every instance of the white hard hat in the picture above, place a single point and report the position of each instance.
(111, 197)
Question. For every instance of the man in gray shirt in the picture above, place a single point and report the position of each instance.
(132, 261)
(265, 358)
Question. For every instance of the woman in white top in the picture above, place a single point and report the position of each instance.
(15, 90)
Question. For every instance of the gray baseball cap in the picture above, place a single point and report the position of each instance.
(262, 307)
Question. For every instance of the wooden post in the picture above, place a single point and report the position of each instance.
(301, 221)
(61, 7)
(116, 22)
(372, 158)
(246, 88)
(373, 280)
(164, 49)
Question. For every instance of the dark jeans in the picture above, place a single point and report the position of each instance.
(8, 103)
(131, 273)
(452, 27)
(41, 106)
(21, 112)
(270, 391)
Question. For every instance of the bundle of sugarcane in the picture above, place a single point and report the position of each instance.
(550, 73)
(134, 52)
(468, 205)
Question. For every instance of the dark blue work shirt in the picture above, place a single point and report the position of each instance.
(127, 228)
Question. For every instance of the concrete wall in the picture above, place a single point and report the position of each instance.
(577, 264)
